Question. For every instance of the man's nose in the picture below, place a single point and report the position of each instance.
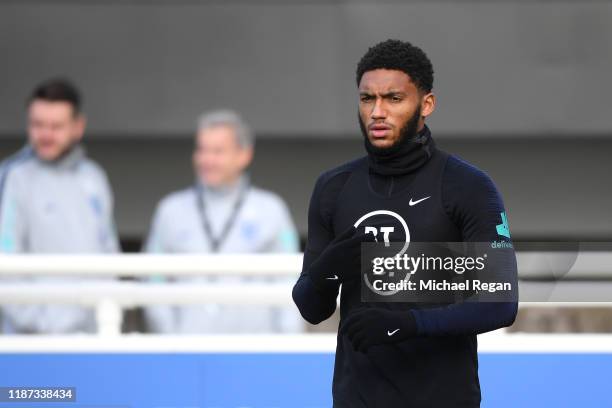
(378, 111)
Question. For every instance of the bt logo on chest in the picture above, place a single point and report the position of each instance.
(380, 232)
(380, 224)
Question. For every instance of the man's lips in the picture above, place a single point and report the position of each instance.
(379, 130)
(45, 143)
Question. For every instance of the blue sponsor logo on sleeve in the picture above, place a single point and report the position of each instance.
(503, 229)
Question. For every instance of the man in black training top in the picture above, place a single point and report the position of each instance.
(390, 354)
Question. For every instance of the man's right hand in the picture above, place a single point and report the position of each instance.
(340, 261)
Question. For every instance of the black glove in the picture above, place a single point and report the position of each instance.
(369, 326)
(340, 261)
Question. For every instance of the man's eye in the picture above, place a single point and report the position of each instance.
(396, 98)
(366, 98)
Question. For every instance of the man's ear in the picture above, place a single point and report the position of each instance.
(246, 157)
(80, 125)
(428, 104)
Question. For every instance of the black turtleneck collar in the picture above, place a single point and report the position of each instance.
(403, 158)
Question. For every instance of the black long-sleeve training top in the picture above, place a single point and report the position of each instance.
(438, 367)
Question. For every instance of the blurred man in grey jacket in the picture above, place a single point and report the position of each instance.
(22, 154)
(222, 213)
(54, 200)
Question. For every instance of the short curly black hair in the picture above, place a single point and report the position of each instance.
(402, 56)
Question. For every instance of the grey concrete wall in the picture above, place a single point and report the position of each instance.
(149, 67)
(523, 91)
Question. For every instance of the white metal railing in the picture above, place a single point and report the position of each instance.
(498, 341)
(110, 296)
(147, 265)
(540, 264)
